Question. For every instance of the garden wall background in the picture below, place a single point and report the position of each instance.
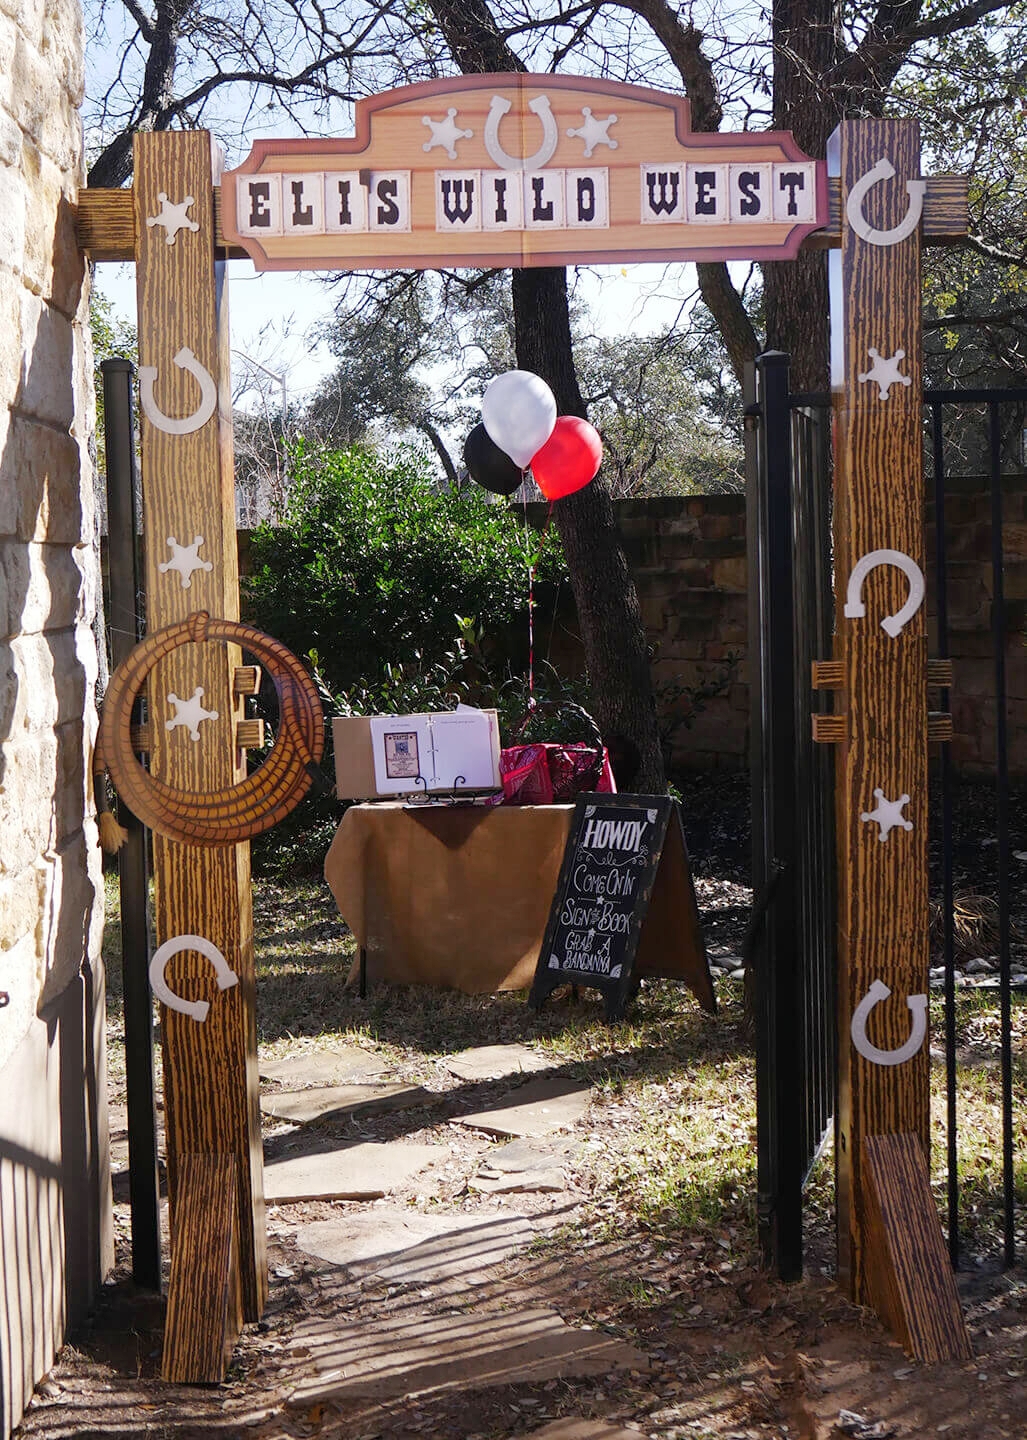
(55, 1219)
(688, 558)
(687, 554)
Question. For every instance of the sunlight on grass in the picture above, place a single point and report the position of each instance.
(671, 1144)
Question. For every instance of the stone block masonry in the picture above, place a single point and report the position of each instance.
(55, 1232)
(688, 557)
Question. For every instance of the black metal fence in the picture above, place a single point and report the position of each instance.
(791, 942)
(979, 433)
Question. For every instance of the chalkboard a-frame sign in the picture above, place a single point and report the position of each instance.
(624, 879)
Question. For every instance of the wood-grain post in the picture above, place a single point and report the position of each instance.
(881, 644)
(211, 1086)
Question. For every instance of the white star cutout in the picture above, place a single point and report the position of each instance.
(190, 712)
(172, 217)
(885, 372)
(445, 133)
(594, 131)
(888, 814)
(185, 560)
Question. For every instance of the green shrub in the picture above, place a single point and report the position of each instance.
(371, 563)
(403, 598)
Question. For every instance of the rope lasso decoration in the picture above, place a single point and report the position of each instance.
(236, 812)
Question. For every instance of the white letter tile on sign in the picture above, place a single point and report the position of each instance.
(588, 199)
(345, 202)
(389, 202)
(258, 203)
(503, 200)
(751, 192)
(458, 202)
(303, 204)
(663, 194)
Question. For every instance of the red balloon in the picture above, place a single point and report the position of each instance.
(569, 459)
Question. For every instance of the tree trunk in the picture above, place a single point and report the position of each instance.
(807, 47)
(608, 611)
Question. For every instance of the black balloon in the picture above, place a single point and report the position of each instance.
(491, 467)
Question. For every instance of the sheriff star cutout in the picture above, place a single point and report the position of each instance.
(885, 372)
(594, 131)
(888, 814)
(185, 560)
(445, 133)
(190, 712)
(172, 217)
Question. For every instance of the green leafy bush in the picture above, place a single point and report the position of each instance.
(403, 598)
(371, 564)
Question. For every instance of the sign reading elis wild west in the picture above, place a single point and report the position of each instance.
(521, 170)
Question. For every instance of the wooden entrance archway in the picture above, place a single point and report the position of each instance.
(630, 184)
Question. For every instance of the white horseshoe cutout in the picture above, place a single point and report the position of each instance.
(883, 170)
(226, 977)
(918, 1007)
(550, 135)
(854, 606)
(185, 360)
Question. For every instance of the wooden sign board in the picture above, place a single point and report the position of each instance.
(521, 170)
(624, 905)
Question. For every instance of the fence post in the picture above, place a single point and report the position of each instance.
(133, 869)
(771, 949)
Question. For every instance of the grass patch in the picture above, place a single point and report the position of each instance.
(671, 1143)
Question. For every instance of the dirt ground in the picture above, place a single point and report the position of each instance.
(731, 1353)
(652, 1241)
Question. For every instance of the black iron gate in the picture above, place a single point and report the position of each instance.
(791, 939)
(791, 944)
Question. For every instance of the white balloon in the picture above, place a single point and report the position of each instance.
(518, 410)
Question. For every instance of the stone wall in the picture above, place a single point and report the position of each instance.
(687, 555)
(55, 1236)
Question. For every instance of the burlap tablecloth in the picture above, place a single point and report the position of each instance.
(459, 896)
(449, 895)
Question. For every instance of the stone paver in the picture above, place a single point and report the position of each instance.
(571, 1429)
(429, 1353)
(404, 1247)
(529, 1155)
(523, 1182)
(329, 1066)
(494, 1062)
(348, 1172)
(539, 1108)
(337, 1102)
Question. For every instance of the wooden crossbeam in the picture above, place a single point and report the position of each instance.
(106, 228)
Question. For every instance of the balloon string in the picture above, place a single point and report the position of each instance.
(531, 596)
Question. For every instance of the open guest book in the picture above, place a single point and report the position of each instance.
(452, 751)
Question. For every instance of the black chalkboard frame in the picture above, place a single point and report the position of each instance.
(616, 989)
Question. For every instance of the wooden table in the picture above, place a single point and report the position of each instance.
(459, 896)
